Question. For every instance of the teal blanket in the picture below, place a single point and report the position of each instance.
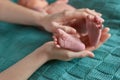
(17, 41)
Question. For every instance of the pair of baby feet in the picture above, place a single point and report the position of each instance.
(91, 28)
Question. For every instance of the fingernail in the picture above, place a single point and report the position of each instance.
(109, 35)
(100, 14)
(91, 55)
(74, 31)
(58, 46)
(55, 23)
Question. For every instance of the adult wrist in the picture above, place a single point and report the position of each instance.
(41, 55)
(39, 16)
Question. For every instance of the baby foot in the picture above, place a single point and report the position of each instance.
(67, 41)
(94, 30)
(90, 27)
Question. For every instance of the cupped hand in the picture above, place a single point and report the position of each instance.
(85, 39)
(52, 52)
(60, 20)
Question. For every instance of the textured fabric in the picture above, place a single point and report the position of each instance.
(17, 41)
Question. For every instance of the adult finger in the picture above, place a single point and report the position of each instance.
(105, 30)
(67, 29)
(77, 14)
(91, 12)
(80, 54)
(104, 37)
(74, 14)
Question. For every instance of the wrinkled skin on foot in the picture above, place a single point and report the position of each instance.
(69, 41)
(94, 31)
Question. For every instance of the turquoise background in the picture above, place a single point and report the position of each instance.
(17, 41)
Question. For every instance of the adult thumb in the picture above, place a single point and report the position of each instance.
(81, 54)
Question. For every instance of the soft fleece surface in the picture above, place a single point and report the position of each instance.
(17, 41)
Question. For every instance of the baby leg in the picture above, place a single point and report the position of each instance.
(68, 41)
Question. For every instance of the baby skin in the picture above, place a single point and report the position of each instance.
(75, 43)
(91, 28)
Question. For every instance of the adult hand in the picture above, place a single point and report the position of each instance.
(85, 39)
(50, 51)
(61, 20)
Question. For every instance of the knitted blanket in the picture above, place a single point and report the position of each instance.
(17, 41)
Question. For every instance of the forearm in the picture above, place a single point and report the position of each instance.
(13, 13)
(24, 68)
